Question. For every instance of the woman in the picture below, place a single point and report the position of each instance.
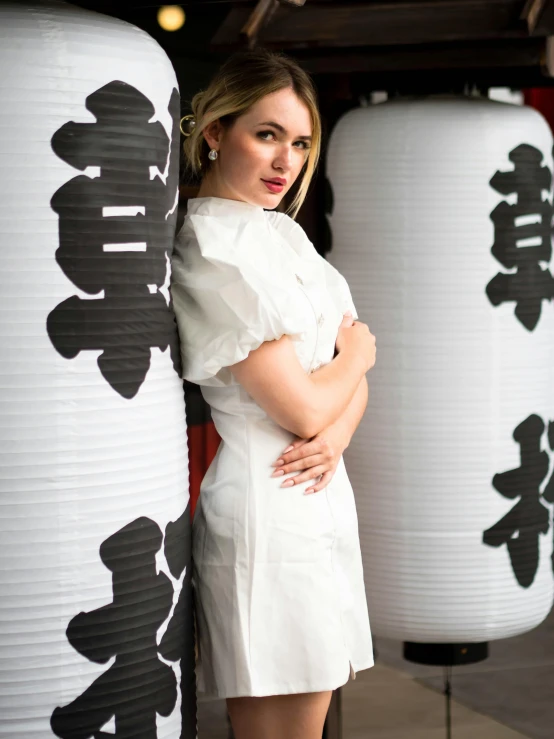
(280, 602)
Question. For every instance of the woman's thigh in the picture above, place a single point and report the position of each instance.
(298, 716)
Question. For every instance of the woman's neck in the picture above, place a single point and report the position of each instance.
(211, 188)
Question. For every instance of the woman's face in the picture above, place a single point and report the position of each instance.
(263, 152)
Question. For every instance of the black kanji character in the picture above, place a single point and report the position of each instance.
(138, 685)
(548, 492)
(177, 644)
(529, 220)
(116, 232)
(521, 526)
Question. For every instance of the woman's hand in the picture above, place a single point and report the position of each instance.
(355, 336)
(317, 456)
(320, 455)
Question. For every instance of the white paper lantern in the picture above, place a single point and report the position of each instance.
(95, 632)
(454, 438)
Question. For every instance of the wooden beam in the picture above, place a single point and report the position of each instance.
(539, 15)
(527, 53)
(344, 24)
(531, 13)
(387, 23)
(257, 18)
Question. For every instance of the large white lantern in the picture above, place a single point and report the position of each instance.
(95, 618)
(441, 223)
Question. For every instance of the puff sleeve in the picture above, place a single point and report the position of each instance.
(335, 282)
(339, 289)
(228, 298)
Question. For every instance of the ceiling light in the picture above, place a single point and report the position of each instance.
(171, 17)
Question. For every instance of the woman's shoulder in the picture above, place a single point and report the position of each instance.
(227, 236)
(221, 213)
(320, 266)
(235, 232)
(216, 225)
(231, 292)
(293, 233)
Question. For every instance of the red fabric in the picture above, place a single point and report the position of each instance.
(203, 442)
(542, 99)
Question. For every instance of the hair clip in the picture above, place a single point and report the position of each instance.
(191, 123)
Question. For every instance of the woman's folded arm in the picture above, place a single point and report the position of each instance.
(304, 404)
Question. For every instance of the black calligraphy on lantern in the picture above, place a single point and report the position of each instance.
(548, 492)
(138, 686)
(521, 527)
(177, 644)
(115, 233)
(522, 236)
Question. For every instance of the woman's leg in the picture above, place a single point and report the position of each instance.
(298, 716)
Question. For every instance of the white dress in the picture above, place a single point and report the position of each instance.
(277, 575)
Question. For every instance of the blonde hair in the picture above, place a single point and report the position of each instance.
(245, 78)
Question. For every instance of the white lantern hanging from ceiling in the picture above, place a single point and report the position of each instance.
(95, 616)
(441, 223)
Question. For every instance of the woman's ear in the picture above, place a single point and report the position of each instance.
(212, 134)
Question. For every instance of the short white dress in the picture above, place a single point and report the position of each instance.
(277, 575)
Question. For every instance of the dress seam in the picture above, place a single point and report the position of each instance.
(316, 343)
(337, 581)
(253, 560)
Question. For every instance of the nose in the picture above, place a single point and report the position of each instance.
(283, 160)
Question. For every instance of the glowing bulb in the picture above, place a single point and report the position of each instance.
(171, 17)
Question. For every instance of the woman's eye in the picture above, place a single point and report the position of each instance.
(264, 134)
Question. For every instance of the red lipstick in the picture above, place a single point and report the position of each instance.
(275, 184)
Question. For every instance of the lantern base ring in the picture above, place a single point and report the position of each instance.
(446, 654)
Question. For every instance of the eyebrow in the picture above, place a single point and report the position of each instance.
(281, 128)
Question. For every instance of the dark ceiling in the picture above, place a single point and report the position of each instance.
(397, 45)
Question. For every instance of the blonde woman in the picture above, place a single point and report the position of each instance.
(277, 574)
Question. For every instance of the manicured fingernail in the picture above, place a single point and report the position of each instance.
(308, 492)
(288, 449)
(278, 462)
(277, 473)
(287, 483)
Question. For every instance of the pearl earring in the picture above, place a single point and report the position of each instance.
(212, 155)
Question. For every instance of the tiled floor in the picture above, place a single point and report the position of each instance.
(514, 686)
(385, 703)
